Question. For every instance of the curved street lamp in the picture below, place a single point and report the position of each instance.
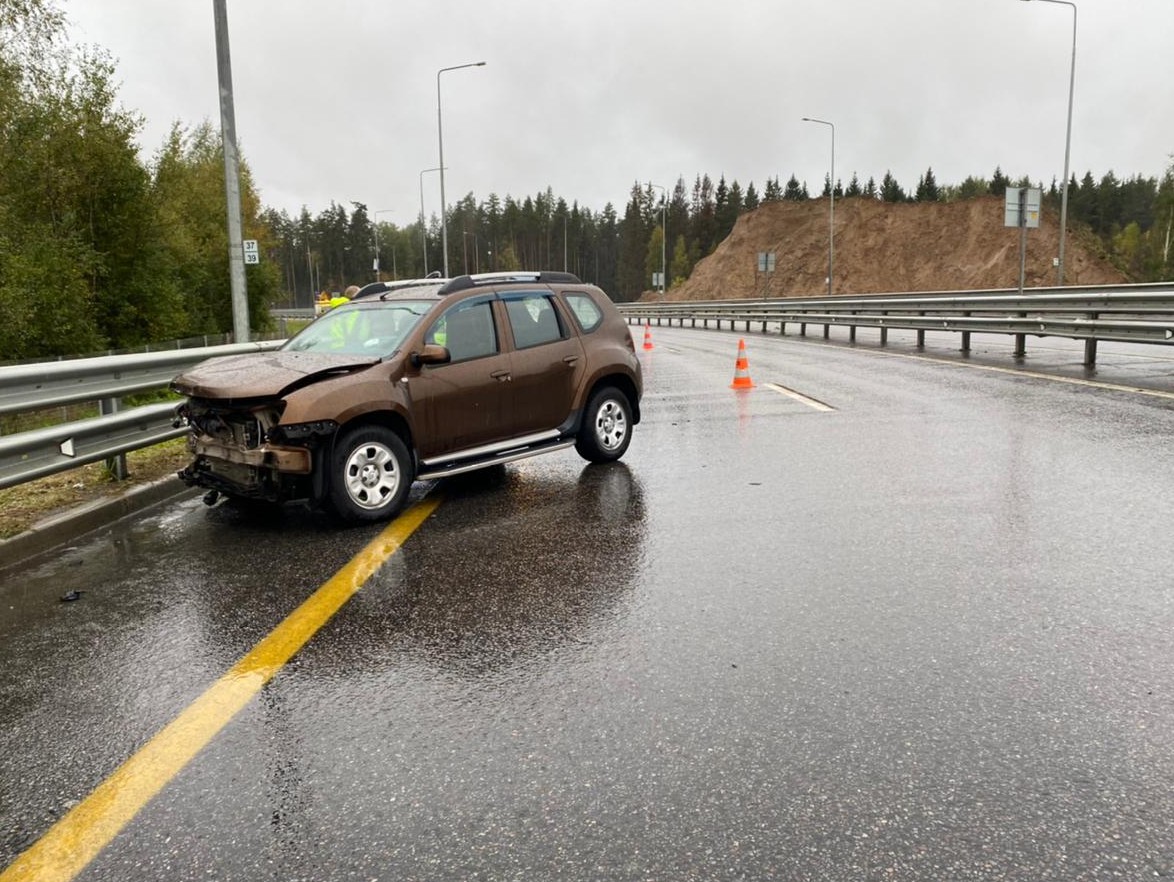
(440, 136)
(423, 231)
(1067, 143)
(831, 200)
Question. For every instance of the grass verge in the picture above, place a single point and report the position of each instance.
(26, 504)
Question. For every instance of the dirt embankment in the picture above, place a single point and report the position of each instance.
(887, 247)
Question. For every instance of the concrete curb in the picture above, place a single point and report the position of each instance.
(66, 526)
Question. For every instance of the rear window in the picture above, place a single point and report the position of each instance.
(587, 313)
(533, 319)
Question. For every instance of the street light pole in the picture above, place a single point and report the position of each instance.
(465, 248)
(664, 234)
(375, 226)
(423, 232)
(831, 200)
(440, 137)
(1067, 143)
(238, 284)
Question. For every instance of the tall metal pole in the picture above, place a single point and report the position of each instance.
(375, 226)
(440, 136)
(1067, 143)
(423, 231)
(375, 229)
(664, 234)
(831, 201)
(232, 187)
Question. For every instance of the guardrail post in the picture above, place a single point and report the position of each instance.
(116, 465)
(1020, 340)
(921, 334)
(827, 331)
(966, 337)
(1090, 345)
(852, 330)
(802, 329)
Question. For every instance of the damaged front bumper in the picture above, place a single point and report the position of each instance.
(242, 454)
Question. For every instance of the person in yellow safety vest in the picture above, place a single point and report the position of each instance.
(344, 297)
(344, 328)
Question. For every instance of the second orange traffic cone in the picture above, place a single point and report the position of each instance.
(647, 337)
(742, 369)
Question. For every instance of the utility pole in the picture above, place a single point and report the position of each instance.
(232, 187)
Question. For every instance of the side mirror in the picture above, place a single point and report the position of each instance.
(432, 354)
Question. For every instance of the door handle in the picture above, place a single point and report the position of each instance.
(500, 375)
(570, 359)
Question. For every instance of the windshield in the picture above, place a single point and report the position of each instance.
(377, 328)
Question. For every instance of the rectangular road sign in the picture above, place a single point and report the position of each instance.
(252, 254)
(1031, 205)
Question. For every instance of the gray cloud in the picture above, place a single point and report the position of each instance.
(338, 100)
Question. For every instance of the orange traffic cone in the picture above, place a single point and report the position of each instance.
(742, 369)
(647, 337)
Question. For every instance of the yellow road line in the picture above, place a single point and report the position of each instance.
(75, 840)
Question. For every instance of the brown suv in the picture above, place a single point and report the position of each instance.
(411, 381)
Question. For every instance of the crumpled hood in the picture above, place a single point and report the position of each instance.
(263, 374)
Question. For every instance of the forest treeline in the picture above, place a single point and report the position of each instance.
(1133, 218)
(102, 249)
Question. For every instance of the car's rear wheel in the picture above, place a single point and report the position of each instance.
(371, 474)
(607, 426)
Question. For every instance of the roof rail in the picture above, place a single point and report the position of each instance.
(460, 283)
(373, 288)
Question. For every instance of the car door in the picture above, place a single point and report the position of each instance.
(464, 403)
(548, 361)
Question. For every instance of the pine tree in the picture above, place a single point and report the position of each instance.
(890, 190)
(999, 183)
(634, 233)
(750, 202)
(927, 187)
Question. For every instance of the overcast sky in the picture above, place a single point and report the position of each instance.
(338, 100)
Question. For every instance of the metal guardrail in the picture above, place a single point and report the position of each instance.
(1123, 313)
(1127, 313)
(107, 379)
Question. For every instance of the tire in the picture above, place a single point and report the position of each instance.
(607, 426)
(370, 474)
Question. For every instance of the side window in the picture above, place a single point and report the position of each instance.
(533, 319)
(587, 312)
(467, 330)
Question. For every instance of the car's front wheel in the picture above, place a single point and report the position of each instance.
(371, 474)
(607, 426)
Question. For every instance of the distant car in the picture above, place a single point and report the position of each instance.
(410, 381)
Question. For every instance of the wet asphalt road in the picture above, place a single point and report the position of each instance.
(926, 635)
